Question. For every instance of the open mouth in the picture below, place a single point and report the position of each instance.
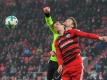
(58, 31)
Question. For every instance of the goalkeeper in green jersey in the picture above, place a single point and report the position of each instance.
(53, 65)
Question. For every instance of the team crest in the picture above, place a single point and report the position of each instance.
(59, 41)
(68, 35)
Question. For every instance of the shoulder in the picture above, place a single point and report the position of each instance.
(77, 29)
(74, 30)
(57, 40)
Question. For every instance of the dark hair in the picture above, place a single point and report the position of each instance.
(74, 21)
(55, 22)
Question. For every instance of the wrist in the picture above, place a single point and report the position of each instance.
(47, 14)
(60, 65)
(101, 38)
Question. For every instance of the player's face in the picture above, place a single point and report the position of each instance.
(59, 27)
(69, 23)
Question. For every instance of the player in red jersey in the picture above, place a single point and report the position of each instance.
(68, 51)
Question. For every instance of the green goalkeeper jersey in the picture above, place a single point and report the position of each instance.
(49, 22)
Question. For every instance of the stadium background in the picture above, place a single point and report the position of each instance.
(24, 50)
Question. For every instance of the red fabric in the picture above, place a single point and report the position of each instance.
(84, 34)
(58, 53)
(74, 70)
(73, 32)
(60, 46)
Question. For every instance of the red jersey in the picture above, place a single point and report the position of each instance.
(67, 46)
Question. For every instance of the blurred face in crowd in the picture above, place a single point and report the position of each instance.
(59, 27)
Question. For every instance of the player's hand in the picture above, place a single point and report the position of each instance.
(46, 9)
(103, 38)
(52, 53)
(60, 69)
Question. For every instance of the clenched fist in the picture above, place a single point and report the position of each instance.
(52, 53)
(46, 9)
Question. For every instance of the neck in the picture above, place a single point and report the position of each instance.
(68, 28)
(61, 33)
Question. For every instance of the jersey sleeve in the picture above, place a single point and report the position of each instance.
(49, 22)
(58, 54)
(85, 34)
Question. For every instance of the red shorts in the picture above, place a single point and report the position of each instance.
(73, 70)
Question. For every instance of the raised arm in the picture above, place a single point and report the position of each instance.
(48, 19)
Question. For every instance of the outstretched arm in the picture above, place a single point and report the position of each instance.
(48, 18)
(85, 34)
(90, 35)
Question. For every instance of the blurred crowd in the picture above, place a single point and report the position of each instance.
(24, 51)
